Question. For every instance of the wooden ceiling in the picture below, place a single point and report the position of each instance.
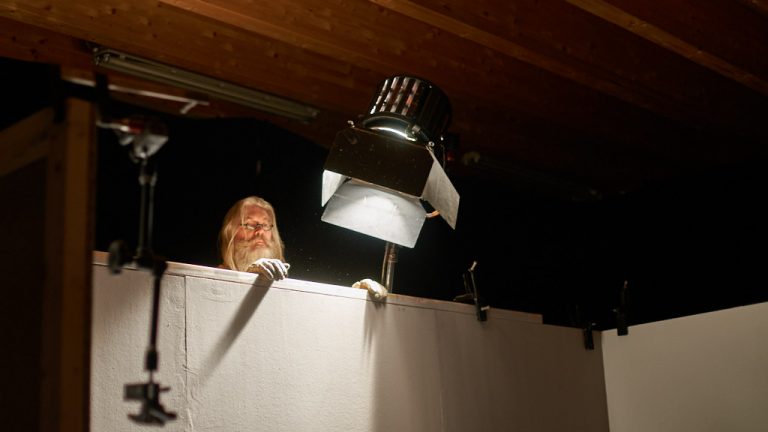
(605, 96)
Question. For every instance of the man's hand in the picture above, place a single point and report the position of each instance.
(271, 268)
(375, 289)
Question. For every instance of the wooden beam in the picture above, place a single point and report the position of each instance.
(760, 6)
(25, 141)
(374, 37)
(278, 32)
(595, 54)
(66, 329)
(255, 24)
(36, 44)
(607, 85)
(669, 41)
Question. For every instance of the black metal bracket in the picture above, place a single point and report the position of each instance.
(146, 138)
(621, 312)
(471, 295)
(152, 411)
(589, 340)
(585, 323)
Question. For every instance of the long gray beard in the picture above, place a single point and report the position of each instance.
(244, 255)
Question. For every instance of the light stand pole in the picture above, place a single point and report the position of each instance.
(388, 266)
(147, 137)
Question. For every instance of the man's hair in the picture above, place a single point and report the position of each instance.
(232, 221)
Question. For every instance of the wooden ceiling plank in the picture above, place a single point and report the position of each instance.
(598, 48)
(543, 97)
(642, 86)
(723, 28)
(355, 60)
(541, 105)
(478, 79)
(519, 52)
(267, 29)
(759, 6)
(89, 20)
(618, 129)
(335, 48)
(669, 41)
(35, 44)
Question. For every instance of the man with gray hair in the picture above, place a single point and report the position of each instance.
(250, 241)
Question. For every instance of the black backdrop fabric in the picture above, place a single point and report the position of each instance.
(685, 246)
(207, 165)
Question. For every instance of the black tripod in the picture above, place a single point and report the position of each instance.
(146, 137)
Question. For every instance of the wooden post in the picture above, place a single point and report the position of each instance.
(47, 179)
(67, 291)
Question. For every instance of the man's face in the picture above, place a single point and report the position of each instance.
(251, 234)
(252, 241)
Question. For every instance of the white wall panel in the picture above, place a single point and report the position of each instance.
(704, 373)
(120, 336)
(301, 356)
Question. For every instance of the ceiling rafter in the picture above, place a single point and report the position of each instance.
(761, 6)
(669, 41)
(604, 84)
(611, 93)
(273, 31)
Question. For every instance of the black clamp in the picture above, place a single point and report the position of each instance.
(471, 295)
(621, 312)
(589, 340)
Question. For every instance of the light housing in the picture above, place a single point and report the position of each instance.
(377, 175)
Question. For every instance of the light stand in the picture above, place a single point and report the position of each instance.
(388, 266)
(147, 137)
(379, 173)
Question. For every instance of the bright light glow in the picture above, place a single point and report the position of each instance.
(371, 210)
(397, 132)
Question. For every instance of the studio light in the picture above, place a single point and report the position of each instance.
(379, 174)
(215, 88)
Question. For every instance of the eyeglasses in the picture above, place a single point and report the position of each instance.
(257, 227)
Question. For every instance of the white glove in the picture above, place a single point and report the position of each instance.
(271, 268)
(375, 289)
